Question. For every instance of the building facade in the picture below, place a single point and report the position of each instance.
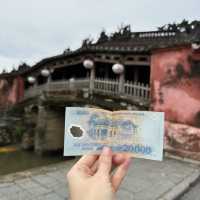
(158, 69)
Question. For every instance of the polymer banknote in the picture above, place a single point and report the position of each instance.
(139, 133)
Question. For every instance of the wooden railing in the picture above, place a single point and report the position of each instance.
(137, 90)
(106, 86)
(62, 85)
(109, 87)
(34, 91)
(68, 84)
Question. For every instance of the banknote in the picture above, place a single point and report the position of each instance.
(139, 133)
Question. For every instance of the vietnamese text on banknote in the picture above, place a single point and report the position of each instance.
(88, 130)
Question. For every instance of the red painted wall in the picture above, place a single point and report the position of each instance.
(175, 85)
(11, 91)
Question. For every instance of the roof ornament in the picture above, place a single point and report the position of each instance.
(124, 32)
(66, 51)
(103, 37)
(23, 67)
(87, 42)
(184, 26)
(4, 71)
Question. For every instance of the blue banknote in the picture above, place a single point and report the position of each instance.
(139, 133)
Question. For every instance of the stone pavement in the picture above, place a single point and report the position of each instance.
(146, 180)
(193, 193)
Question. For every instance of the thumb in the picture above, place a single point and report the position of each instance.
(105, 161)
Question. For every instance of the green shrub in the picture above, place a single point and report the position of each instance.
(19, 132)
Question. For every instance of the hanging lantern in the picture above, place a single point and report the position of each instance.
(45, 72)
(195, 46)
(31, 79)
(118, 68)
(88, 64)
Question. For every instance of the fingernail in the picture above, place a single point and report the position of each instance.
(106, 151)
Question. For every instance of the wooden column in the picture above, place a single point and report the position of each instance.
(71, 84)
(92, 78)
(34, 86)
(49, 78)
(136, 75)
(121, 83)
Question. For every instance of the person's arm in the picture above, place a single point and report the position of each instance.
(91, 178)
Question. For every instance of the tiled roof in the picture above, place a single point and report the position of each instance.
(146, 41)
(136, 42)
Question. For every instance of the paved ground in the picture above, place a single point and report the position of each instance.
(193, 193)
(146, 180)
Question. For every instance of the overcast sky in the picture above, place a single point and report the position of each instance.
(34, 29)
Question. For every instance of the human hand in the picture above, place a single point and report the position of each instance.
(91, 178)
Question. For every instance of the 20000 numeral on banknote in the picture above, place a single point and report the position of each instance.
(88, 130)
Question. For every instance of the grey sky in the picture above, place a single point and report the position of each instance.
(34, 29)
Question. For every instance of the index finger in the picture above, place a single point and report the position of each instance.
(87, 160)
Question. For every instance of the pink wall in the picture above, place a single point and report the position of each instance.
(175, 85)
(175, 89)
(11, 91)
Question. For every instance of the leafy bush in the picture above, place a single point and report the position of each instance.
(19, 132)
